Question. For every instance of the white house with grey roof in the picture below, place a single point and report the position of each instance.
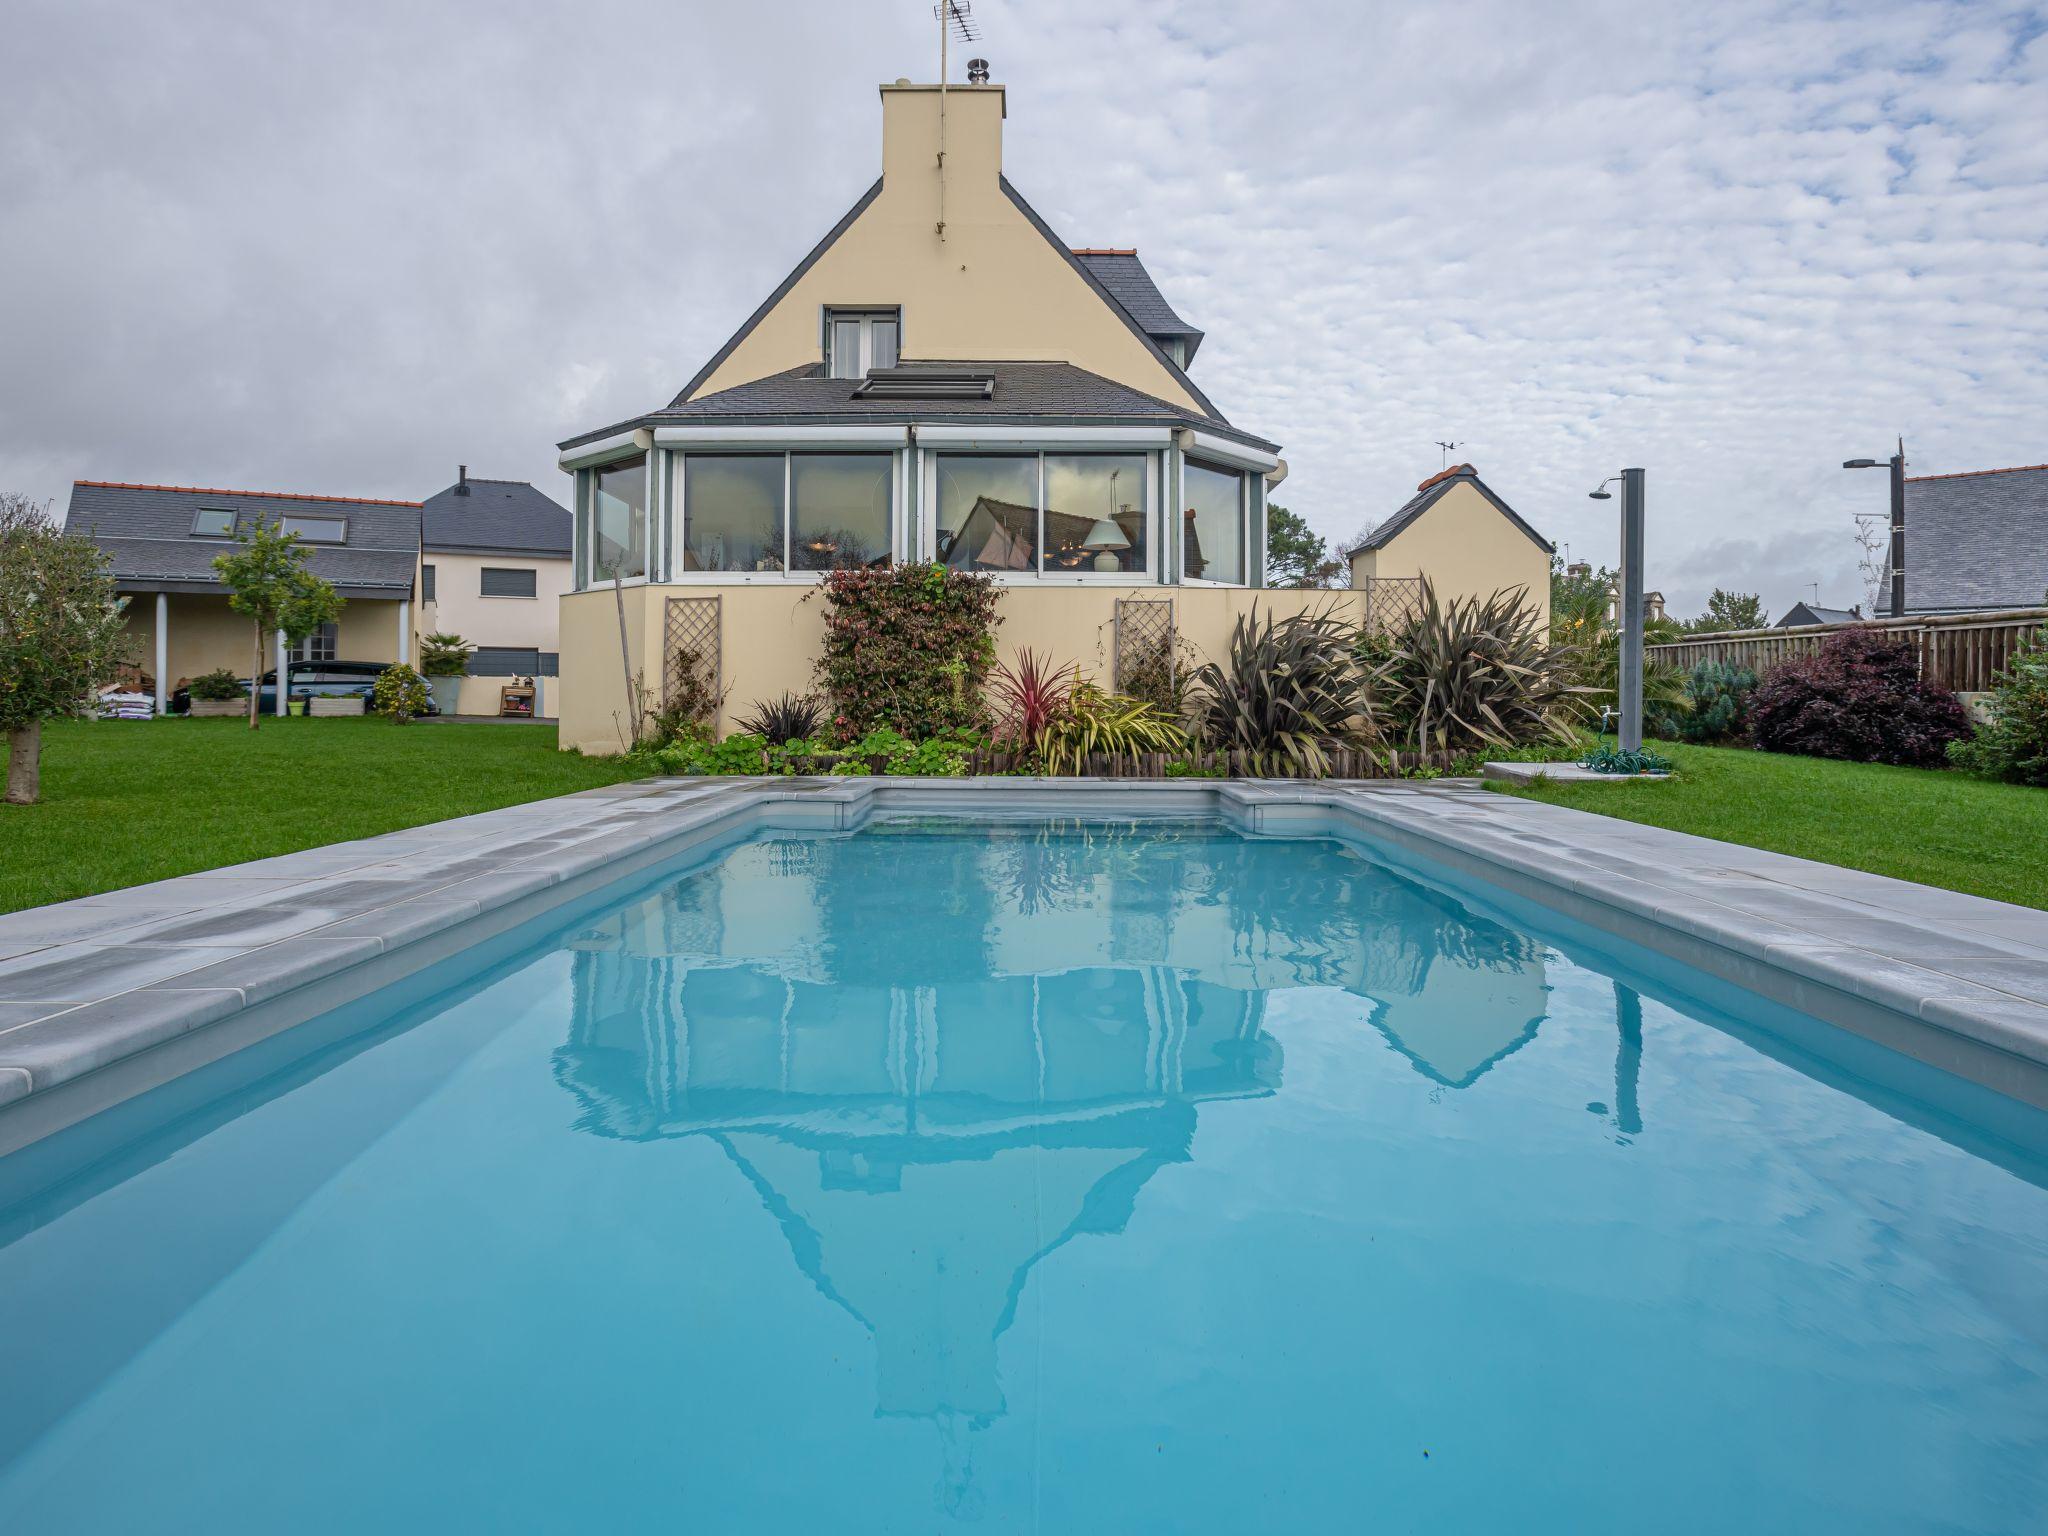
(1977, 540)
(161, 541)
(494, 567)
(942, 378)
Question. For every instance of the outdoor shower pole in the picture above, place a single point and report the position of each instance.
(1631, 610)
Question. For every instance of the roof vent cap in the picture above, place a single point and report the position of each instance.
(977, 71)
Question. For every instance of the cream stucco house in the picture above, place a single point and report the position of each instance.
(494, 566)
(941, 378)
(1457, 532)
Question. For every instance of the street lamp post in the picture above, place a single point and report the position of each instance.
(1897, 464)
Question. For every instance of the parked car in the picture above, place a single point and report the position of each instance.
(303, 679)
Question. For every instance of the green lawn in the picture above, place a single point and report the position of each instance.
(1936, 827)
(129, 801)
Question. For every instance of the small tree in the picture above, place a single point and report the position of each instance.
(1729, 610)
(61, 633)
(1296, 555)
(268, 581)
(444, 655)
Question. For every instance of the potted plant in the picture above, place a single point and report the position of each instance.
(218, 692)
(444, 659)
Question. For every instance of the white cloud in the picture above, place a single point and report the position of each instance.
(341, 250)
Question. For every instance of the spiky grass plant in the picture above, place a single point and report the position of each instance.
(1472, 674)
(1027, 698)
(1095, 723)
(793, 717)
(1284, 695)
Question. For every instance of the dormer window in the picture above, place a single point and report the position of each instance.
(857, 340)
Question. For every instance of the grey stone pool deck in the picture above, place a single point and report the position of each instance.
(106, 996)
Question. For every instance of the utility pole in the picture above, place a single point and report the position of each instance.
(1631, 610)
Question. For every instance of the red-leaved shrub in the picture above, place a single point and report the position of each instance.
(1861, 698)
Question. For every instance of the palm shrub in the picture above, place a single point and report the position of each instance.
(1284, 694)
(2013, 741)
(1095, 723)
(1859, 698)
(1472, 674)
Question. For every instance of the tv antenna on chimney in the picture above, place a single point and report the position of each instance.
(1447, 447)
(955, 19)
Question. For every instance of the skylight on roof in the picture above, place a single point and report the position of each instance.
(213, 523)
(926, 384)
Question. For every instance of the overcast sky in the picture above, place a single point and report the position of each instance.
(341, 249)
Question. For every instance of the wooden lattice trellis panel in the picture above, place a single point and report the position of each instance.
(690, 638)
(1392, 602)
(1144, 641)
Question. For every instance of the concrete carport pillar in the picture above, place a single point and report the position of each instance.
(163, 654)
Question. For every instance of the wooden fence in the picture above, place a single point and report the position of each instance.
(1962, 651)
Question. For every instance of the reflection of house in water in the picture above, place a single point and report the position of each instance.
(939, 1057)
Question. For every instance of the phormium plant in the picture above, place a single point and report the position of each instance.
(908, 647)
(1030, 696)
(1283, 695)
(793, 717)
(1472, 674)
(1860, 698)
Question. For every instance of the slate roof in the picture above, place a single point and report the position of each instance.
(146, 530)
(1030, 393)
(1810, 613)
(495, 515)
(1131, 286)
(1977, 540)
(1427, 495)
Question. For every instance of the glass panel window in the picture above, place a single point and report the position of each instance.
(1212, 523)
(1094, 512)
(618, 520)
(840, 505)
(319, 645)
(426, 583)
(316, 530)
(732, 512)
(859, 339)
(213, 523)
(988, 512)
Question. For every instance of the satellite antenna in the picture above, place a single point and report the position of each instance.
(1447, 447)
(955, 19)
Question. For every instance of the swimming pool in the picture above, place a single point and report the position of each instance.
(1101, 1177)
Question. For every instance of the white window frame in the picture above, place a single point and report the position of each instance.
(584, 525)
(867, 315)
(676, 518)
(1244, 523)
(928, 520)
(329, 632)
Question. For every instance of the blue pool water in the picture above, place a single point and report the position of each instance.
(1118, 1179)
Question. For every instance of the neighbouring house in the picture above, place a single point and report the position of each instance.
(1459, 533)
(941, 378)
(494, 565)
(1813, 613)
(161, 541)
(1977, 540)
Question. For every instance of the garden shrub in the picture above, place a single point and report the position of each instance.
(1859, 698)
(1030, 696)
(693, 704)
(908, 647)
(217, 684)
(400, 693)
(1716, 707)
(2013, 742)
(793, 717)
(1095, 723)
